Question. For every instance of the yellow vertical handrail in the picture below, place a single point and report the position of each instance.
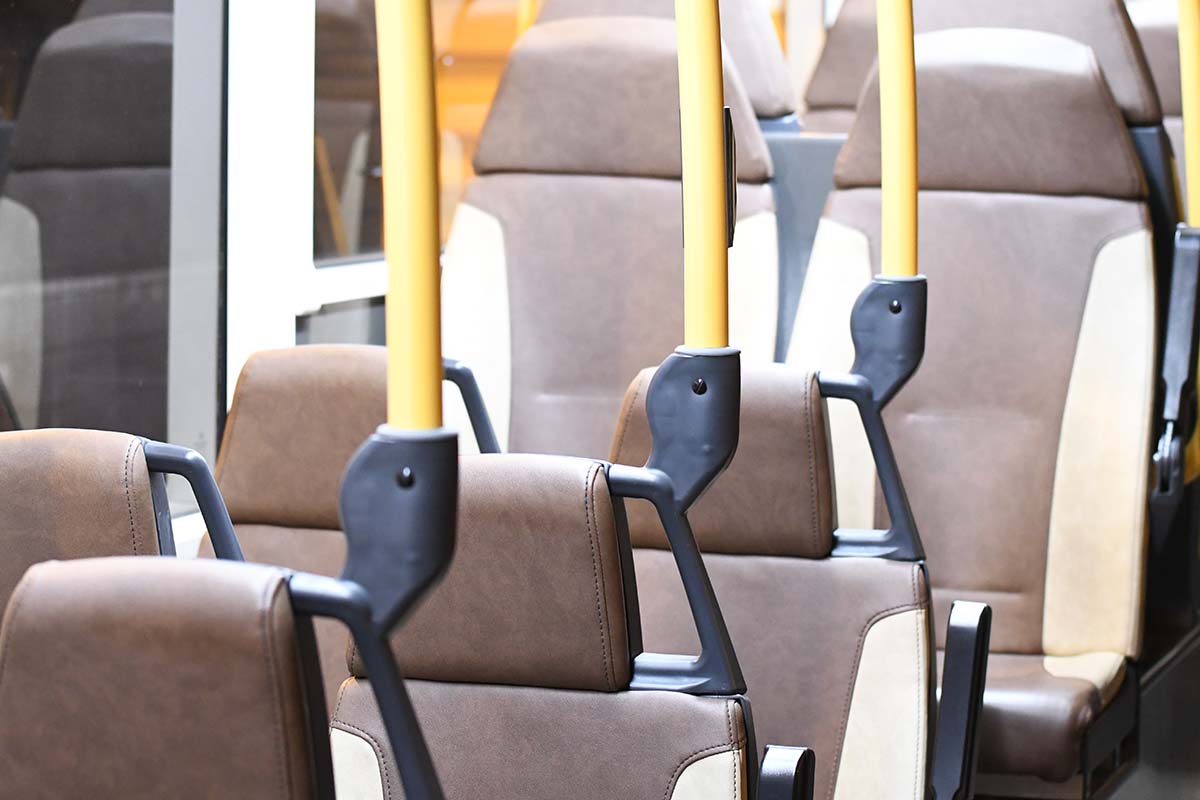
(527, 11)
(898, 137)
(408, 120)
(702, 131)
(1189, 69)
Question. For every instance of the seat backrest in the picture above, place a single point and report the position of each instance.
(72, 494)
(166, 718)
(1024, 435)
(101, 8)
(746, 27)
(84, 221)
(1157, 25)
(561, 276)
(836, 651)
(519, 662)
(1103, 25)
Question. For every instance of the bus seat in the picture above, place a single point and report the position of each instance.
(831, 97)
(591, 200)
(206, 701)
(281, 488)
(836, 651)
(103, 8)
(85, 220)
(1157, 24)
(72, 494)
(1024, 437)
(519, 662)
(746, 28)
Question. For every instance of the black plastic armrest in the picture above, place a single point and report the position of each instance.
(787, 773)
(170, 459)
(964, 673)
(463, 379)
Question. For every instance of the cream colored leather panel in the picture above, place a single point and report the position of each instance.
(754, 287)
(356, 774)
(1105, 671)
(475, 319)
(1097, 542)
(883, 753)
(838, 270)
(21, 308)
(715, 777)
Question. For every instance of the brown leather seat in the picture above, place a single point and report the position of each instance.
(564, 212)
(837, 652)
(520, 661)
(205, 701)
(72, 494)
(1157, 24)
(1025, 434)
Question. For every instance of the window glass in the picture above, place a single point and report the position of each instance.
(85, 189)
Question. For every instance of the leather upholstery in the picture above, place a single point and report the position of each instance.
(609, 89)
(1102, 25)
(746, 27)
(267, 472)
(168, 719)
(1033, 721)
(776, 498)
(520, 743)
(534, 596)
(976, 115)
(800, 663)
(71, 494)
(1157, 25)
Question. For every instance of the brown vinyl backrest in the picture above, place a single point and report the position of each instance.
(519, 661)
(1157, 25)
(1024, 436)
(140, 677)
(746, 27)
(836, 652)
(1103, 25)
(561, 276)
(72, 494)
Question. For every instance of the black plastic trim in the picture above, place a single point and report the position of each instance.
(788, 773)
(964, 675)
(463, 379)
(172, 459)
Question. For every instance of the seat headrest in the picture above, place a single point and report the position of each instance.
(298, 415)
(99, 95)
(746, 27)
(1157, 25)
(776, 498)
(534, 595)
(107, 657)
(72, 494)
(1004, 111)
(101, 8)
(600, 96)
(1102, 25)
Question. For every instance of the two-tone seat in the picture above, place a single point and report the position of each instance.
(84, 227)
(1024, 437)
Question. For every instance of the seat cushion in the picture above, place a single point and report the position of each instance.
(521, 743)
(1036, 710)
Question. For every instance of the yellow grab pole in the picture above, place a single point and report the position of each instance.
(702, 129)
(1189, 67)
(527, 11)
(410, 213)
(898, 118)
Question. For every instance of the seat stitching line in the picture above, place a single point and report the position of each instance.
(266, 603)
(691, 758)
(383, 770)
(920, 672)
(729, 725)
(812, 467)
(15, 602)
(129, 495)
(593, 544)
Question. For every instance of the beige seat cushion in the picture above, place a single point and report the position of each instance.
(1037, 709)
(518, 743)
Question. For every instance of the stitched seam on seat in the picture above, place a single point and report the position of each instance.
(729, 726)
(383, 767)
(15, 601)
(267, 602)
(812, 467)
(637, 392)
(129, 494)
(917, 716)
(690, 759)
(862, 637)
(589, 510)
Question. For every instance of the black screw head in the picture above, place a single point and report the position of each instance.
(699, 386)
(405, 478)
(895, 307)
